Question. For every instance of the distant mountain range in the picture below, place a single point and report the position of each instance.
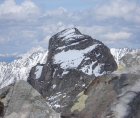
(19, 68)
(119, 53)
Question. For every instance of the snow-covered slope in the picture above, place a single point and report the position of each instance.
(19, 69)
(119, 53)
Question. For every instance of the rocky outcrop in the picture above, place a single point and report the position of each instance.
(131, 59)
(22, 101)
(74, 60)
(111, 96)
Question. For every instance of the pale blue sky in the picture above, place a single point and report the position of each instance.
(70, 5)
(28, 23)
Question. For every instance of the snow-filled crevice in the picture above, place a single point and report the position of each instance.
(53, 101)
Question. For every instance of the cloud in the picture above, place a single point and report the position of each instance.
(2, 39)
(44, 41)
(28, 33)
(115, 23)
(127, 9)
(117, 35)
(55, 12)
(10, 10)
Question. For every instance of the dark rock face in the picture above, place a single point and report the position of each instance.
(74, 60)
(1, 109)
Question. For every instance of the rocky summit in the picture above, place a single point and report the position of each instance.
(75, 62)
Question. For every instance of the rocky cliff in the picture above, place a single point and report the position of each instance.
(20, 100)
(74, 60)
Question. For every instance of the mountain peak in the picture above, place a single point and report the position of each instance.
(71, 49)
(68, 33)
(74, 59)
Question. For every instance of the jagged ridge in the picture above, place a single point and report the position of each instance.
(120, 52)
(19, 69)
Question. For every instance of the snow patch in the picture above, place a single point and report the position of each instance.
(56, 106)
(88, 68)
(87, 58)
(54, 96)
(67, 32)
(65, 72)
(83, 85)
(38, 71)
(54, 72)
(53, 101)
(97, 70)
(54, 86)
(71, 58)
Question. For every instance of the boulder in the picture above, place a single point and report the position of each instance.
(22, 101)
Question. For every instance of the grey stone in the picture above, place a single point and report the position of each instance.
(22, 101)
